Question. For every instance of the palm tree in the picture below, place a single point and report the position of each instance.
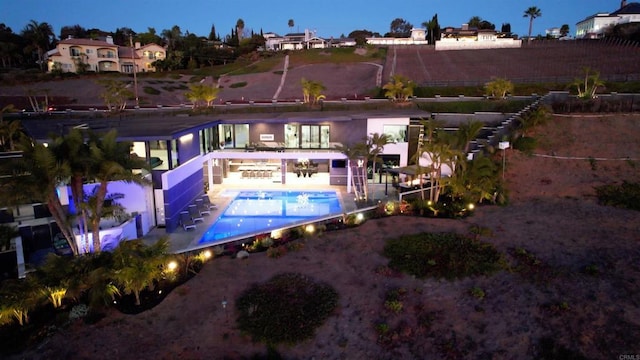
(532, 119)
(172, 36)
(376, 143)
(499, 87)
(465, 134)
(112, 162)
(312, 91)
(441, 154)
(17, 298)
(73, 149)
(475, 180)
(202, 92)
(588, 86)
(532, 13)
(433, 28)
(356, 156)
(399, 88)
(8, 130)
(40, 36)
(8, 53)
(290, 24)
(138, 266)
(115, 94)
(36, 177)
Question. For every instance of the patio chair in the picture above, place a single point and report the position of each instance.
(202, 208)
(186, 221)
(195, 214)
(207, 202)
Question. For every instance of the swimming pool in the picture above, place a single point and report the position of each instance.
(258, 211)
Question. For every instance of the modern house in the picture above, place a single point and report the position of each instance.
(465, 38)
(305, 40)
(417, 37)
(595, 26)
(103, 56)
(189, 154)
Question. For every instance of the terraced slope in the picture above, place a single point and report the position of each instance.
(557, 61)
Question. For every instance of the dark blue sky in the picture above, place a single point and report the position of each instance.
(328, 17)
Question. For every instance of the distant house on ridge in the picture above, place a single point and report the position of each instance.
(103, 56)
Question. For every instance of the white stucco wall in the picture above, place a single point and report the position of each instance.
(470, 44)
(376, 125)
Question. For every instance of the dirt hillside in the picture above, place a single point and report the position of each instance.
(550, 306)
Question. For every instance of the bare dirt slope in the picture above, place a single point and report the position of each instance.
(552, 215)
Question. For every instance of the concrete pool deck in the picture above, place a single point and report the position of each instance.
(188, 240)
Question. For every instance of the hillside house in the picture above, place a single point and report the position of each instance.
(595, 26)
(465, 38)
(103, 56)
(306, 40)
(417, 37)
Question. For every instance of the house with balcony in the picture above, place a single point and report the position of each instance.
(417, 37)
(465, 38)
(595, 26)
(305, 40)
(189, 155)
(75, 55)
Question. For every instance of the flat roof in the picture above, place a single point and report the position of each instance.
(166, 125)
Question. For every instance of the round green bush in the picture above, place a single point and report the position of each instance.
(285, 309)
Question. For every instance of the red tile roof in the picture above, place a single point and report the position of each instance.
(87, 42)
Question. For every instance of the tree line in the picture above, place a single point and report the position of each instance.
(27, 48)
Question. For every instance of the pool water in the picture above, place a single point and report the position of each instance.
(256, 211)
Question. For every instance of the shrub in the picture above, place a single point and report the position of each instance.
(477, 293)
(394, 306)
(626, 195)
(525, 144)
(238, 84)
(276, 252)
(382, 328)
(445, 255)
(285, 309)
(151, 90)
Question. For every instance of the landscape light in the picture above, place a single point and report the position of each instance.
(359, 217)
(172, 265)
(471, 206)
(207, 254)
(310, 228)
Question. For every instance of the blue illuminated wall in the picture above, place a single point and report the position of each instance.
(180, 196)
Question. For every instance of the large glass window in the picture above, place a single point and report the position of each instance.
(207, 142)
(158, 155)
(311, 136)
(233, 135)
(174, 154)
(226, 136)
(242, 135)
(291, 136)
(396, 133)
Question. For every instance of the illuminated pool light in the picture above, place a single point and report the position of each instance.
(253, 212)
